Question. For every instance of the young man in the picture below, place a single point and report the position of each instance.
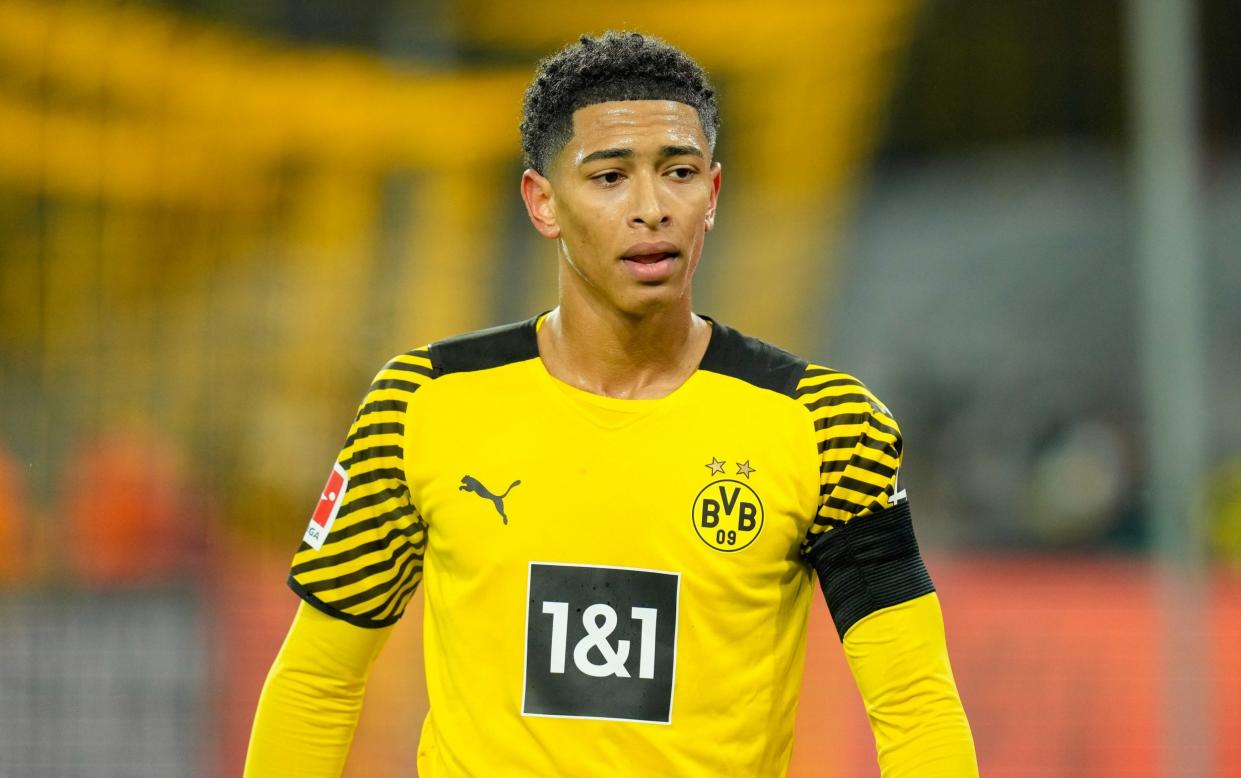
(616, 508)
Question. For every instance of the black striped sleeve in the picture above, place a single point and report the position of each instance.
(361, 557)
(861, 541)
(859, 447)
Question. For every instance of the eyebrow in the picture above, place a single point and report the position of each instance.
(664, 151)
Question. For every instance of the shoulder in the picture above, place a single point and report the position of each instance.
(754, 361)
(826, 391)
(471, 351)
(401, 377)
(758, 362)
(846, 413)
(485, 349)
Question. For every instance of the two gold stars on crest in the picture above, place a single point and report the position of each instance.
(743, 468)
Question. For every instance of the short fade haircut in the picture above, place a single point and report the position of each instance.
(613, 66)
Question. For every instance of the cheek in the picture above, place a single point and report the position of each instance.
(587, 224)
(697, 240)
(696, 253)
(696, 203)
(581, 243)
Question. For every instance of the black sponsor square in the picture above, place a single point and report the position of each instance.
(600, 642)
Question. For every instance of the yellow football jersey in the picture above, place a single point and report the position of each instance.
(613, 587)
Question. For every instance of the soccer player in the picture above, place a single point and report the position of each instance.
(615, 509)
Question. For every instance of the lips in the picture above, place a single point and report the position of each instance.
(651, 263)
(650, 253)
(648, 259)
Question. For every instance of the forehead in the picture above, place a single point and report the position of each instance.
(636, 125)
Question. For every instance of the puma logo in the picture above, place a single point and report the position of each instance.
(471, 484)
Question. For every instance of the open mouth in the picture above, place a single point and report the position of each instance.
(650, 259)
(652, 262)
(652, 267)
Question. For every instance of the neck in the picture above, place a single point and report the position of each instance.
(614, 354)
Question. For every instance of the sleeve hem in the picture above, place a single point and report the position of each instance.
(323, 607)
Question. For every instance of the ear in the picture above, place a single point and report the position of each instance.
(717, 173)
(536, 191)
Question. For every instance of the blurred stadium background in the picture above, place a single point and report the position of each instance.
(1019, 222)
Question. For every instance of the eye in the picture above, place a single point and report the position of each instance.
(683, 173)
(609, 177)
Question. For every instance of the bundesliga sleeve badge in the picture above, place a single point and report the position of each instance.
(329, 505)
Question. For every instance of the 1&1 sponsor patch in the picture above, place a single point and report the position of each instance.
(600, 642)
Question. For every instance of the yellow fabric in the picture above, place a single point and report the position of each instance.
(611, 484)
(612, 587)
(899, 659)
(312, 698)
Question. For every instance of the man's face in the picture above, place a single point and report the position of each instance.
(630, 199)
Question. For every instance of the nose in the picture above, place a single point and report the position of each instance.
(648, 207)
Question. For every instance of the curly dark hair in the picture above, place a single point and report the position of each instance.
(613, 66)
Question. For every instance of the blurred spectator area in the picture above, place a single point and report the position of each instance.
(1011, 354)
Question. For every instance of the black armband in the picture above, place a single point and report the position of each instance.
(870, 563)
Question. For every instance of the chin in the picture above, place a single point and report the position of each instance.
(651, 300)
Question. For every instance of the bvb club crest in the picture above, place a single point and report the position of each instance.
(727, 513)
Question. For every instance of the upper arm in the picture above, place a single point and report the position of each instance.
(861, 542)
(361, 558)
